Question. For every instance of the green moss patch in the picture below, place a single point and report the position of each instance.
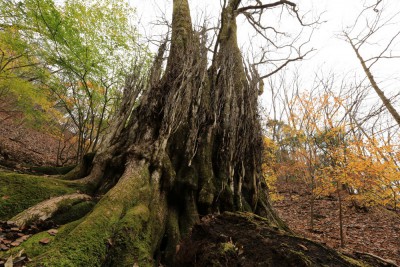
(89, 242)
(72, 212)
(33, 248)
(21, 191)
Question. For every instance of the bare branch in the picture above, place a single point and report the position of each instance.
(265, 6)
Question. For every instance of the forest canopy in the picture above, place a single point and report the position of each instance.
(68, 59)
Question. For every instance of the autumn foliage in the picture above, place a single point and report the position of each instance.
(322, 145)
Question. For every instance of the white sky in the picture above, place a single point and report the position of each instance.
(338, 14)
(333, 54)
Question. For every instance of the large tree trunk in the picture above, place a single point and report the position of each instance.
(191, 147)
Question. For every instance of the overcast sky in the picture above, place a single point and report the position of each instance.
(332, 52)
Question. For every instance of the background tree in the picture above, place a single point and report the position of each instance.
(334, 145)
(86, 49)
(373, 19)
(19, 68)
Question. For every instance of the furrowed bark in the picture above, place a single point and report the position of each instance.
(192, 147)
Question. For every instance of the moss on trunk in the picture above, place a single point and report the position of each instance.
(123, 220)
(191, 147)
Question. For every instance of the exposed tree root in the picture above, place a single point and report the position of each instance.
(45, 209)
(374, 260)
(124, 228)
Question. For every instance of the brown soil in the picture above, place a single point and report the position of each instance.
(375, 230)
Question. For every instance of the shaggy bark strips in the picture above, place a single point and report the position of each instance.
(192, 146)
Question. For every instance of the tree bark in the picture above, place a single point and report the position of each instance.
(192, 146)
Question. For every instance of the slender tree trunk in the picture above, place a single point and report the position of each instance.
(386, 102)
(100, 124)
(312, 202)
(340, 215)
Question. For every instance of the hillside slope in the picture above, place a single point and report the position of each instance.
(375, 230)
(23, 145)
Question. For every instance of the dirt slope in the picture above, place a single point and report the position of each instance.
(22, 145)
(375, 231)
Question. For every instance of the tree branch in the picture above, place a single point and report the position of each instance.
(270, 5)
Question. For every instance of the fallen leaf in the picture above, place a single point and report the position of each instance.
(45, 241)
(15, 244)
(9, 262)
(52, 231)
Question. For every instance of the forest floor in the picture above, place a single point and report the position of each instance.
(375, 230)
(21, 144)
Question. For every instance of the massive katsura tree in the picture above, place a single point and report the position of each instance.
(192, 146)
